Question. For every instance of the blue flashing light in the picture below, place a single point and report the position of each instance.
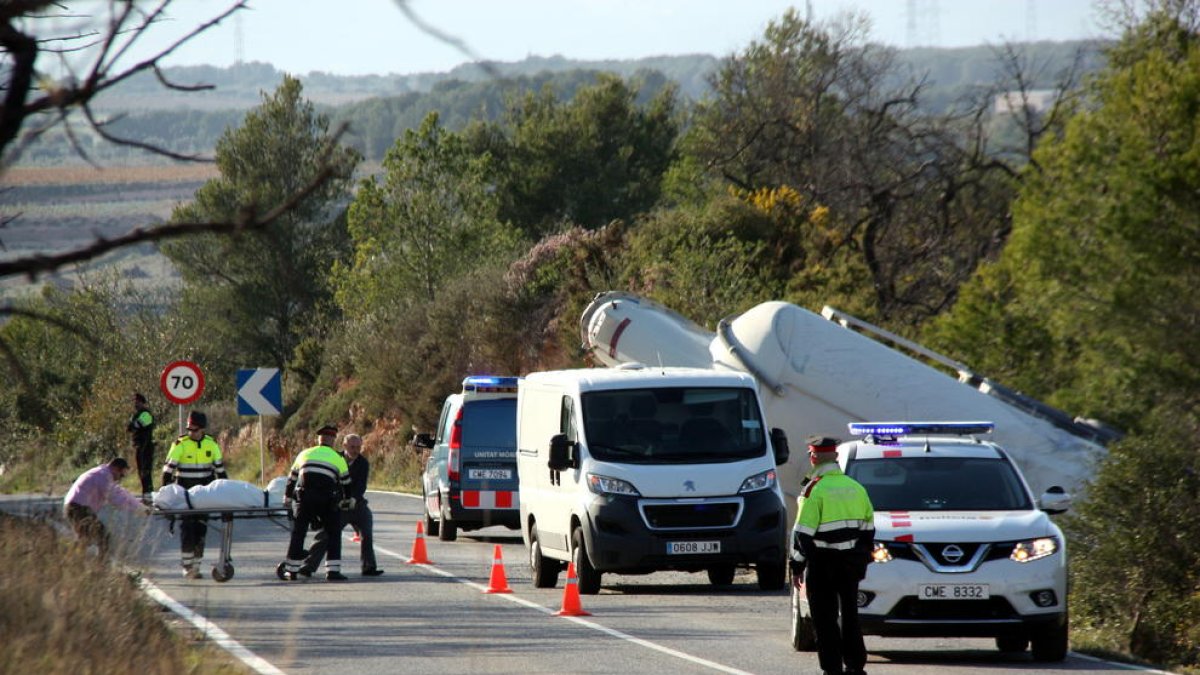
(920, 428)
(489, 383)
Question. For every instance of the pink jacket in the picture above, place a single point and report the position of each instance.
(97, 487)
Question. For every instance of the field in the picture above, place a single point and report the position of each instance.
(47, 210)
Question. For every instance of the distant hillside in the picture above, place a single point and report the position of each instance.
(381, 107)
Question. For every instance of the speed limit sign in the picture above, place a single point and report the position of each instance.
(182, 382)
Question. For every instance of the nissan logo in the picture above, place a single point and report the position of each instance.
(689, 486)
(952, 553)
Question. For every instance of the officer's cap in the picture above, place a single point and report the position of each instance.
(327, 430)
(823, 443)
(197, 419)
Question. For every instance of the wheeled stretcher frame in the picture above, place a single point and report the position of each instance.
(223, 569)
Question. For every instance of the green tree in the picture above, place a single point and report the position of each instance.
(253, 298)
(597, 158)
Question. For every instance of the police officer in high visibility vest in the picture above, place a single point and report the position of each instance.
(832, 542)
(318, 485)
(194, 459)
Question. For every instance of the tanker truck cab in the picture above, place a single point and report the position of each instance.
(470, 477)
(633, 470)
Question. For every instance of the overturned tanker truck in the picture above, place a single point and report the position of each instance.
(818, 372)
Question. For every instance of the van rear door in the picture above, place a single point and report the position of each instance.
(488, 474)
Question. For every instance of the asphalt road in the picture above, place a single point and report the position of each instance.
(437, 618)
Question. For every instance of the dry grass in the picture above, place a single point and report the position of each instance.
(86, 174)
(64, 611)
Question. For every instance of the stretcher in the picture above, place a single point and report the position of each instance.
(223, 569)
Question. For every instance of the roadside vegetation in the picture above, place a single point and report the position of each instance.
(1053, 249)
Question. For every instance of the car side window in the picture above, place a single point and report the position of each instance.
(442, 432)
(566, 419)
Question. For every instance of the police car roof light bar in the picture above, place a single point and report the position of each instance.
(489, 383)
(920, 428)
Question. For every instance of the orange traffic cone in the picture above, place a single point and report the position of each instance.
(498, 582)
(356, 537)
(570, 603)
(419, 557)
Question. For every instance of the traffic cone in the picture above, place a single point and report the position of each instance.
(356, 537)
(498, 582)
(570, 603)
(419, 557)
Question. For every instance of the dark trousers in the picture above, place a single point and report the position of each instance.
(144, 454)
(192, 532)
(831, 584)
(88, 527)
(362, 520)
(316, 507)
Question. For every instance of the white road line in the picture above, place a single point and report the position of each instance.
(210, 630)
(582, 622)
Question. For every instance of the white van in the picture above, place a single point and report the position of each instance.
(637, 469)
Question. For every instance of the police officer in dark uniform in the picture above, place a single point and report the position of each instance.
(832, 541)
(141, 435)
(194, 459)
(318, 486)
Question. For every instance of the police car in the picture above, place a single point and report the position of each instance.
(470, 477)
(962, 549)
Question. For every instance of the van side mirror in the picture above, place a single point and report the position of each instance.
(1054, 500)
(779, 441)
(423, 441)
(561, 453)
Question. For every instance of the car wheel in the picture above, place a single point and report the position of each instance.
(1051, 643)
(1012, 645)
(771, 576)
(447, 530)
(721, 575)
(543, 570)
(431, 524)
(804, 636)
(589, 578)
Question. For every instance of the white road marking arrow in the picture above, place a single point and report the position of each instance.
(251, 391)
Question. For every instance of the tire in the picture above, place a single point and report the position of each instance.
(1012, 645)
(543, 570)
(804, 636)
(589, 578)
(721, 575)
(771, 576)
(222, 572)
(432, 525)
(1051, 643)
(447, 530)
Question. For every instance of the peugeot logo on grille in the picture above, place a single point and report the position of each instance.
(689, 486)
(952, 553)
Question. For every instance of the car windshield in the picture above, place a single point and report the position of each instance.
(941, 484)
(672, 425)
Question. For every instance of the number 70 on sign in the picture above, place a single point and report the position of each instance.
(182, 382)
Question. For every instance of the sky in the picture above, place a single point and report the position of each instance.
(358, 37)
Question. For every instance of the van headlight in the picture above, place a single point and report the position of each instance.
(604, 485)
(759, 481)
(1033, 549)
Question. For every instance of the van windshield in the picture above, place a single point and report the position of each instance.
(673, 425)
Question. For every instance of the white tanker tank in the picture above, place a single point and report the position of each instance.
(817, 373)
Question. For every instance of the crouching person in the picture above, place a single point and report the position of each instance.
(316, 492)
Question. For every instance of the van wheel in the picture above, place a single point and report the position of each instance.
(1050, 644)
(543, 570)
(431, 525)
(589, 578)
(721, 575)
(771, 576)
(804, 635)
(447, 530)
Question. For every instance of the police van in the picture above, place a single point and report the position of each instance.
(470, 476)
(633, 469)
(962, 549)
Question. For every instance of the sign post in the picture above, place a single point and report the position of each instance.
(259, 392)
(182, 382)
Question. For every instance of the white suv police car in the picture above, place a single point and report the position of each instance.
(961, 547)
